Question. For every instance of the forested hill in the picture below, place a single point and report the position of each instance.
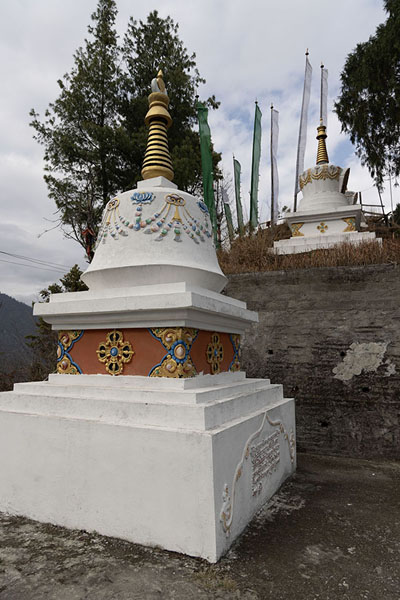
(16, 321)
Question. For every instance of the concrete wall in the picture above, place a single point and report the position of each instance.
(332, 337)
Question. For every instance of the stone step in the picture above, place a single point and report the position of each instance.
(136, 412)
(124, 393)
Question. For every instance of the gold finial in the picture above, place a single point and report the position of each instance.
(322, 154)
(157, 159)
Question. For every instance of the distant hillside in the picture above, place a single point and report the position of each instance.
(16, 321)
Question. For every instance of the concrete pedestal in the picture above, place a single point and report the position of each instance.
(179, 463)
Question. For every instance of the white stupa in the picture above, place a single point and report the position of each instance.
(327, 214)
(149, 431)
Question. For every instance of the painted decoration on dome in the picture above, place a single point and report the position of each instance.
(115, 352)
(177, 341)
(142, 197)
(202, 206)
(113, 224)
(174, 217)
(65, 364)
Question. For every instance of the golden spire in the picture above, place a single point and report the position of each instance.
(157, 159)
(322, 154)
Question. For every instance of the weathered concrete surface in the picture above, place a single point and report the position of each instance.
(332, 532)
(332, 337)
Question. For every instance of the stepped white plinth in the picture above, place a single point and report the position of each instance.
(326, 215)
(149, 431)
(179, 463)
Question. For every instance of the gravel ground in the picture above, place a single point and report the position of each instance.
(331, 532)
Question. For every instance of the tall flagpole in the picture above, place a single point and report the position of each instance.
(272, 173)
(321, 94)
(303, 127)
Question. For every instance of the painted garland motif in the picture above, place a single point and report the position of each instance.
(237, 352)
(115, 352)
(65, 364)
(215, 354)
(114, 224)
(178, 343)
(174, 216)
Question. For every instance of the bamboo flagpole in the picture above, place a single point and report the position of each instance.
(301, 146)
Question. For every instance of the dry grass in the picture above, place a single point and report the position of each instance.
(253, 253)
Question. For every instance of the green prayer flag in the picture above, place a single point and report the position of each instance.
(207, 165)
(239, 210)
(229, 222)
(255, 169)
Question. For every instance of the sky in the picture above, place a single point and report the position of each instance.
(245, 51)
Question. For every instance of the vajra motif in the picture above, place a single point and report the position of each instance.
(115, 352)
(178, 343)
(322, 227)
(215, 354)
(65, 364)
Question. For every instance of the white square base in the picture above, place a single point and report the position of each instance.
(182, 464)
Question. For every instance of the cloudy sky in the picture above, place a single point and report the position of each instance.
(245, 50)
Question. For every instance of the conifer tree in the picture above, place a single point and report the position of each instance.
(94, 135)
(369, 103)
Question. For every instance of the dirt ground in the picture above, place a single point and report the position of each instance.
(332, 532)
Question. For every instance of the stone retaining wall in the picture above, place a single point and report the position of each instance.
(331, 336)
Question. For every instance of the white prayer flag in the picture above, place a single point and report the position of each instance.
(301, 147)
(324, 97)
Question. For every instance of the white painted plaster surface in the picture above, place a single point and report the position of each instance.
(137, 258)
(296, 245)
(138, 463)
(165, 305)
(324, 203)
(364, 357)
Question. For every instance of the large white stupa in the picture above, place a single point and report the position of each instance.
(148, 431)
(327, 214)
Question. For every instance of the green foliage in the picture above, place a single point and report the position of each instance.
(94, 135)
(396, 214)
(369, 103)
(44, 343)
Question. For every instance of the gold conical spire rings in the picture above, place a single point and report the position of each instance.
(322, 154)
(157, 159)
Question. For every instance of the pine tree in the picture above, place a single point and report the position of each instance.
(369, 103)
(94, 135)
